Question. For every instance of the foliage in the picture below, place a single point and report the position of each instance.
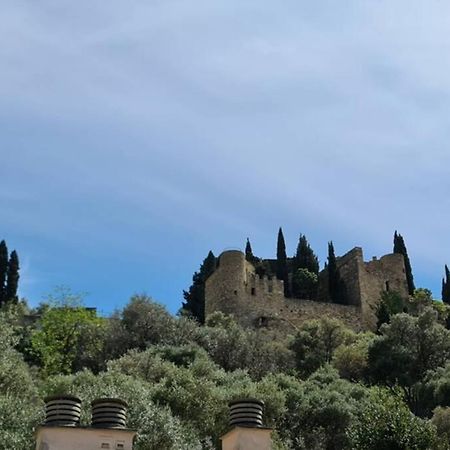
(423, 300)
(69, 337)
(178, 376)
(3, 271)
(315, 343)
(351, 359)
(384, 422)
(249, 256)
(15, 378)
(305, 257)
(304, 284)
(141, 323)
(446, 286)
(12, 278)
(400, 247)
(435, 389)
(232, 347)
(441, 420)
(9, 275)
(336, 286)
(194, 304)
(391, 303)
(407, 349)
(318, 410)
(20, 410)
(18, 418)
(281, 267)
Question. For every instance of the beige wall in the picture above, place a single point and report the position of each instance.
(235, 289)
(77, 438)
(377, 276)
(240, 438)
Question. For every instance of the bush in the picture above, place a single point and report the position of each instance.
(384, 422)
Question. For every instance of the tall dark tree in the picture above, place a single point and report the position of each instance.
(305, 257)
(282, 268)
(195, 296)
(12, 278)
(249, 252)
(336, 285)
(3, 271)
(400, 247)
(446, 286)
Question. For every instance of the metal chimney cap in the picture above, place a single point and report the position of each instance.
(246, 400)
(246, 412)
(62, 411)
(117, 401)
(62, 397)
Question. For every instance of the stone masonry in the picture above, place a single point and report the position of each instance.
(234, 288)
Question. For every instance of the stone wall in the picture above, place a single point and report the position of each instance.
(376, 276)
(234, 288)
(349, 266)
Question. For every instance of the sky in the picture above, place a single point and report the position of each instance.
(136, 136)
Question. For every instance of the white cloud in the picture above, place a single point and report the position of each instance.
(226, 114)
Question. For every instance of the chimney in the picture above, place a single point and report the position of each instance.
(109, 413)
(62, 430)
(247, 431)
(62, 411)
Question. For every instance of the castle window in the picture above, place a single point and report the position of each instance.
(253, 291)
(235, 292)
(270, 288)
(387, 286)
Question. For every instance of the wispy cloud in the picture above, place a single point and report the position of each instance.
(151, 125)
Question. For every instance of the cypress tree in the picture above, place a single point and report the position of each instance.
(248, 252)
(446, 286)
(3, 271)
(332, 271)
(12, 278)
(282, 269)
(195, 296)
(336, 285)
(400, 247)
(305, 257)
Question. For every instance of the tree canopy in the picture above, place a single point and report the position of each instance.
(400, 247)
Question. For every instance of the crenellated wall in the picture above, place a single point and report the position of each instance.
(234, 288)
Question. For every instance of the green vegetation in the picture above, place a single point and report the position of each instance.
(305, 271)
(400, 247)
(325, 387)
(282, 267)
(194, 304)
(446, 286)
(304, 284)
(336, 285)
(304, 257)
(9, 275)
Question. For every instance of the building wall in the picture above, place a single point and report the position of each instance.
(376, 276)
(234, 288)
(78, 438)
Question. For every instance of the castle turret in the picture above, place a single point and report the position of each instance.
(225, 288)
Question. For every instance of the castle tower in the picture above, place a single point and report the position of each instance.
(235, 289)
(225, 288)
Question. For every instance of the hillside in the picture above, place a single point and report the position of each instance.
(324, 386)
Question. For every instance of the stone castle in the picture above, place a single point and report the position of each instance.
(259, 301)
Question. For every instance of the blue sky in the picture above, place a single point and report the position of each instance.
(135, 136)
